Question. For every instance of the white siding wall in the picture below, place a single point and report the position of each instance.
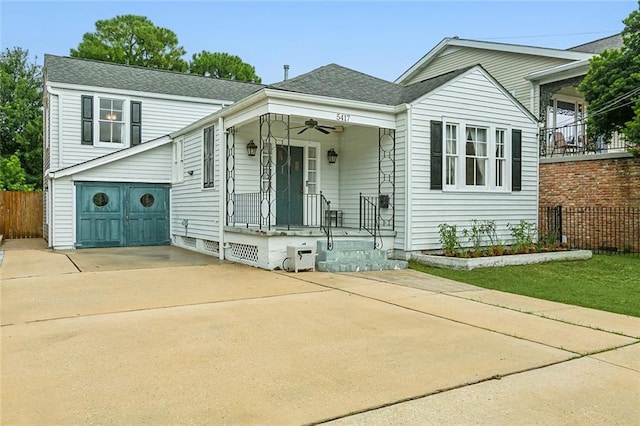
(63, 213)
(153, 166)
(189, 200)
(473, 98)
(508, 68)
(358, 162)
(54, 115)
(159, 117)
(401, 176)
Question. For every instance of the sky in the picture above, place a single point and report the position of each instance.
(380, 38)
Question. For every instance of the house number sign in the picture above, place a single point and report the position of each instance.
(343, 117)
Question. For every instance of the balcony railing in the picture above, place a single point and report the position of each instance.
(572, 139)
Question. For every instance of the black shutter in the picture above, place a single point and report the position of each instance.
(436, 154)
(87, 120)
(136, 122)
(516, 160)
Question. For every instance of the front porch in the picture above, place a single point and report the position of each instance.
(295, 180)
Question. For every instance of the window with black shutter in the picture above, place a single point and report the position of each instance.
(436, 154)
(516, 160)
(136, 122)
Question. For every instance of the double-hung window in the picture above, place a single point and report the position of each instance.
(451, 154)
(111, 121)
(500, 158)
(476, 156)
(208, 157)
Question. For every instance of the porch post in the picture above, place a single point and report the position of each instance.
(274, 129)
(231, 175)
(387, 178)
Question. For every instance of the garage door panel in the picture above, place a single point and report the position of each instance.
(148, 215)
(99, 215)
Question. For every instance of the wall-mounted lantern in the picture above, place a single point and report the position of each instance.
(332, 156)
(252, 148)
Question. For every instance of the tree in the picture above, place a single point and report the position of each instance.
(132, 40)
(612, 88)
(222, 65)
(12, 177)
(21, 113)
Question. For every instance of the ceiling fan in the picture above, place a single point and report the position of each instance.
(313, 124)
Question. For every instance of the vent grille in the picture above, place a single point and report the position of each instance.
(212, 246)
(189, 241)
(244, 251)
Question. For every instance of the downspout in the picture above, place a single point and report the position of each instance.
(407, 181)
(222, 211)
(59, 136)
(52, 204)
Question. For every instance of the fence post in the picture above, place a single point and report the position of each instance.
(559, 221)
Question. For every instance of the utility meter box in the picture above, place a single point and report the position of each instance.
(301, 257)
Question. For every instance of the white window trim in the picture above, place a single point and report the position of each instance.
(178, 160)
(490, 179)
(216, 143)
(126, 120)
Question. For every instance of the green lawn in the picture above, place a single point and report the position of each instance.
(609, 283)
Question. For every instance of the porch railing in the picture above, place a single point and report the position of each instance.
(369, 220)
(250, 209)
(606, 230)
(572, 139)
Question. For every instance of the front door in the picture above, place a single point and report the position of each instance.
(289, 185)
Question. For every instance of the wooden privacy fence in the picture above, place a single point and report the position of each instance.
(21, 214)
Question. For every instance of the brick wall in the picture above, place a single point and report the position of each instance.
(612, 182)
(600, 202)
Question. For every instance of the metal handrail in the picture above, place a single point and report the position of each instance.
(369, 217)
(325, 220)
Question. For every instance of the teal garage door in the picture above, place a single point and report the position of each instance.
(122, 214)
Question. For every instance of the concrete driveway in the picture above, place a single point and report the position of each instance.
(172, 337)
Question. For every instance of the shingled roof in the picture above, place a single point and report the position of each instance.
(598, 46)
(88, 72)
(339, 82)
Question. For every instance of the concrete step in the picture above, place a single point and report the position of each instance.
(352, 255)
(386, 265)
(365, 244)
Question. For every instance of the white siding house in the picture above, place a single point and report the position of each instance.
(329, 158)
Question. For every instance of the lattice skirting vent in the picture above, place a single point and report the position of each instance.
(244, 251)
(189, 241)
(212, 246)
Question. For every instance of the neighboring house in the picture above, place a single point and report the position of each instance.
(329, 156)
(542, 79)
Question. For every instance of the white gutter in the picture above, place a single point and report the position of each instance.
(573, 67)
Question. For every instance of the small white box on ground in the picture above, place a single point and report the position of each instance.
(301, 257)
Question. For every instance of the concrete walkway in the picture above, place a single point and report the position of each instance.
(166, 337)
